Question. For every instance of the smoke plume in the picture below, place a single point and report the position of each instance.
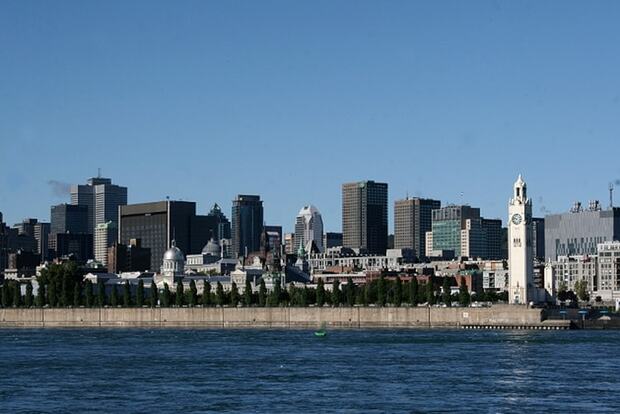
(59, 189)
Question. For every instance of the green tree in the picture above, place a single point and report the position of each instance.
(398, 292)
(464, 297)
(247, 293)
(446, 293)
(262, 294)
(234, 294)
(381, 291)
(350, 292)
(303, 297)
(114, 297)
(206, 294)
(413, 291)
(6, 294)
(88, 294)
(220, 294)
(430, 291)
(154, 295)
(320, 293)
(165, 299)
(179, 295)
(581, 289)
(41, 296)
(101, 299)
(336, 293)
(126, 295)
(140, 294)
(52, 297)
(274, 298)
(77, 295)
(17, 295)
(64, 291)
(28, 299)
(193, 294)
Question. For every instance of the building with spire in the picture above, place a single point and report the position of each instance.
(520, 252)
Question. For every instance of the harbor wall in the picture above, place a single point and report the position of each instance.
(311, 317)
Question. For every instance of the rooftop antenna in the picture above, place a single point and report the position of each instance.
(611, 196)
(99, 172)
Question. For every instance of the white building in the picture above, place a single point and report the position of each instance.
(308, 228)
(105, 236)
(608, 270)
(520, 252)
(394, 259)
(172, 269)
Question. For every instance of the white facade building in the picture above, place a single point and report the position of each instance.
(520, 252)
(308, 228)
(105, 236)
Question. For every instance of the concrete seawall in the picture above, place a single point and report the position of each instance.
(344, 317)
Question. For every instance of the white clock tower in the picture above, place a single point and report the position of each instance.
(520, 253)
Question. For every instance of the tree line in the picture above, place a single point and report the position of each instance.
(62, 285)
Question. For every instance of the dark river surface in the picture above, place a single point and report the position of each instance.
(292, 371)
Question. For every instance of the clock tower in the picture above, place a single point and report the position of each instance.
(520, 254)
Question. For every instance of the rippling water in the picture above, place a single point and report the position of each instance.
(288, 371)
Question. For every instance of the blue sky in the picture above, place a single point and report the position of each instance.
(204, 100)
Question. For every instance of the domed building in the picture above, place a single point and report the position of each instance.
(173, 266)
(212, 249)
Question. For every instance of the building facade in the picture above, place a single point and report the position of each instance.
(580, 231)
(365, 216)
(412, 219)
(247, 224)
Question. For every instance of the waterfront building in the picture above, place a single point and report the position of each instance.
(520, 253)
(338, 258)
(608, 270)
(247, 224)
(172, 269)
(412, 219)
(568, 270)
(580, 231)
(496, 280)
(157, 223)
(365, 216)
(309, 228)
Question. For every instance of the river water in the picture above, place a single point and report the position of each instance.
(292, 371)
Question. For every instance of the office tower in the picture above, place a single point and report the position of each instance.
(105, 236)
(222, 224)
(103, 200)
(412, 219)
(309, 228)
(68, 218)
(364, 216)
(579, 231)
(42, 235)
(538, 238)
(157, 224)
(274, 234)
(456, 230)
(247, 224)
(493, 238)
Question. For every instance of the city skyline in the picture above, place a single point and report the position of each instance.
(409, 95)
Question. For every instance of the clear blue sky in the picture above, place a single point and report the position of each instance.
(202, 100)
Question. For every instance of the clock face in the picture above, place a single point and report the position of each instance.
(517, 219)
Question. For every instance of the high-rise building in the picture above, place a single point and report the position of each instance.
(365, 216)
(69, 231)
(447, 225)
(128, 258)
(247, 224)
(42, 235)
(106, 235)
(102, 198)
(309, 227)
(538, 238)
(222, 224)
(579, 231)
(289, 243)
(493, 239)
(520, 254)
(157, 224)
(412, 219)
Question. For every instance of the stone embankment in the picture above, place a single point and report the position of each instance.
(499, 316)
